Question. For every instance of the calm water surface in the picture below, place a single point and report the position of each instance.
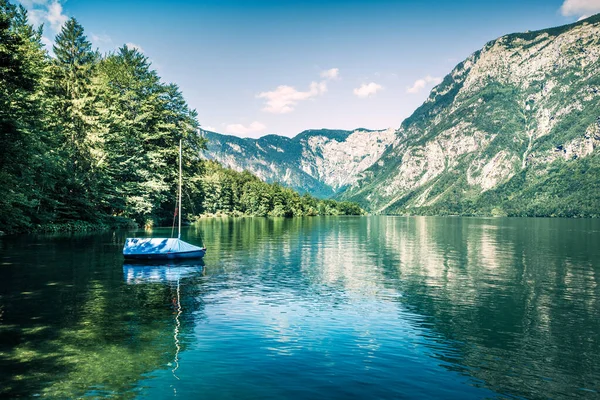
(365, 307)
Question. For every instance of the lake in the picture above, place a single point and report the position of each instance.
(321, 307)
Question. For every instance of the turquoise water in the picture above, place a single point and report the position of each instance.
(323, 307)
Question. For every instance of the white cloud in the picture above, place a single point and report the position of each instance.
(421, 83)
(36, 17)
(580, 8)
(42, 11)
(367, 89)
(47, 42)
(101, 39)
(284, 98)
(209, 128)
(239, 129)
(134, 46)
(330, 74)
(55, 16)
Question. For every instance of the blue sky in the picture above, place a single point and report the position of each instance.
(257, 67)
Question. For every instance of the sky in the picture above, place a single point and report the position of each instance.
(251, 68)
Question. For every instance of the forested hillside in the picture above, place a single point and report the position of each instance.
(242, 193)
(88, 140)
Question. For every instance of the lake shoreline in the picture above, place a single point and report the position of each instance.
(128, 224)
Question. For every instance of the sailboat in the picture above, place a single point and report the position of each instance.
(163, 248)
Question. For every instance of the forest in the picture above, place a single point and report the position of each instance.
(89, 140)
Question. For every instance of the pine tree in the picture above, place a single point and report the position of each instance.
(74, 58)
(23, 140)
(77, 111)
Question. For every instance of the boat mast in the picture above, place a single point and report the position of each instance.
(179, 226)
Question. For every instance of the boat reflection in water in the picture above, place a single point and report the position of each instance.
(172, 273)
(155, 272)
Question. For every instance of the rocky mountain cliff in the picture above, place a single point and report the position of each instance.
(320, 162)
(512, 130)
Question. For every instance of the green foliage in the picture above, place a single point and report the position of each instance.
(222, 191)
(561, 189)
(23, 137)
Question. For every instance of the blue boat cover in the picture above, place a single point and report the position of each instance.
(157, 246)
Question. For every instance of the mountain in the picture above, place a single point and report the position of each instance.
(320, 162)
(513, 130)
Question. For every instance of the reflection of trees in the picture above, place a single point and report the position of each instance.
(89, 333)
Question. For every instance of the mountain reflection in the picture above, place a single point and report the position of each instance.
(517, 298)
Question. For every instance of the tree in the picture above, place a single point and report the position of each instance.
(23, 140)
(144, 121)
(76, 110)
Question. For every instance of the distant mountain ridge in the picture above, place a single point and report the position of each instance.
(320, 162)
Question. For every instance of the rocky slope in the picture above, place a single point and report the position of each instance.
(514, 129)
(320, 162)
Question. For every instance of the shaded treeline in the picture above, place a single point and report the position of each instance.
(234, 193)
(89, 140)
